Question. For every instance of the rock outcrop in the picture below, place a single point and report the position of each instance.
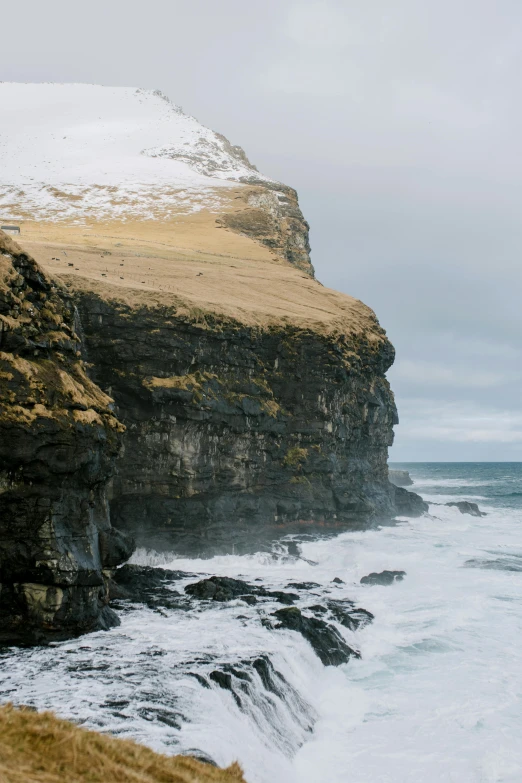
(408, 504)
(58, 436)
(272, 217)
(401, 478)
(325, 639)
(467, 507)
(383, 578)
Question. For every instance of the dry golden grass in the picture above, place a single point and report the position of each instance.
(40, 748)
(191, 263)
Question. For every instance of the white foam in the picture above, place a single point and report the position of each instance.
(434, 697)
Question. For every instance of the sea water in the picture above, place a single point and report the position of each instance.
(435, 697)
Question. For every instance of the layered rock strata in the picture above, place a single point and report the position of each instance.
(236, 432)
(58, 436)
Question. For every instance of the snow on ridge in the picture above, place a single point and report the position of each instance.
(71, 151)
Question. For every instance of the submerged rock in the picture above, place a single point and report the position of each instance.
(347, 614)
(220, 588)
(465, 507)
(401, 478)
(150, 586)
(509, 563)
(303, 585)
(224, 588)
(383, 578)
(324, 638)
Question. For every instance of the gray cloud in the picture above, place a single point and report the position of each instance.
(399, 124)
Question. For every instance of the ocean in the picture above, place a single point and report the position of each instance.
(435, 697)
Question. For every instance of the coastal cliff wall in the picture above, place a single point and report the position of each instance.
(169, 364)
(235, 432)
(58, 436)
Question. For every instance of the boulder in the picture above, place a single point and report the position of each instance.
(465, 507)
(324, 638)
(224, 588)
(383, 578)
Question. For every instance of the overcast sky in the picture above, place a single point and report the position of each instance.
(399, 124)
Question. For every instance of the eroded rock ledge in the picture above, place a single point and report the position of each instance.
(58, 436)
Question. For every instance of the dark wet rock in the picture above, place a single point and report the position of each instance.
(317, 609)
(224, 588)
(401, 478)
(326, 640)
(199, 677)
(225, 681)
(349, 615)
(162, 715)
(137, 577)
(465, 507)
(249, 599)
(58, 439)
(512, 563)
(239, 673)
(310, 412)
(200, 755)
(220, 588)
(150, 586)
(383, 578)
(303, 585)
(409, 504)
(256, 681)
(282, 597)
(338, 581)
(115, 547)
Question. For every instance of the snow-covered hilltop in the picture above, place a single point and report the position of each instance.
(73, 151)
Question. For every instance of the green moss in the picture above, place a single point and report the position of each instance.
(300, 480)
(295, 456)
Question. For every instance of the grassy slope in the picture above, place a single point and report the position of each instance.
(40, 748)
(189, 261)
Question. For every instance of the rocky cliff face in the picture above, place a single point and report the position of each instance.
(236, 432)
(254, 400)
(272, 217)
(58, 436)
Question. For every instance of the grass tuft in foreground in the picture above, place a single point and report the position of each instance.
(41, 748)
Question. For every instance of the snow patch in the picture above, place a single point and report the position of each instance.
(73, 151)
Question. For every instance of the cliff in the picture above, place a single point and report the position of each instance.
(58, 436)
(253, 399)
(236, 431)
